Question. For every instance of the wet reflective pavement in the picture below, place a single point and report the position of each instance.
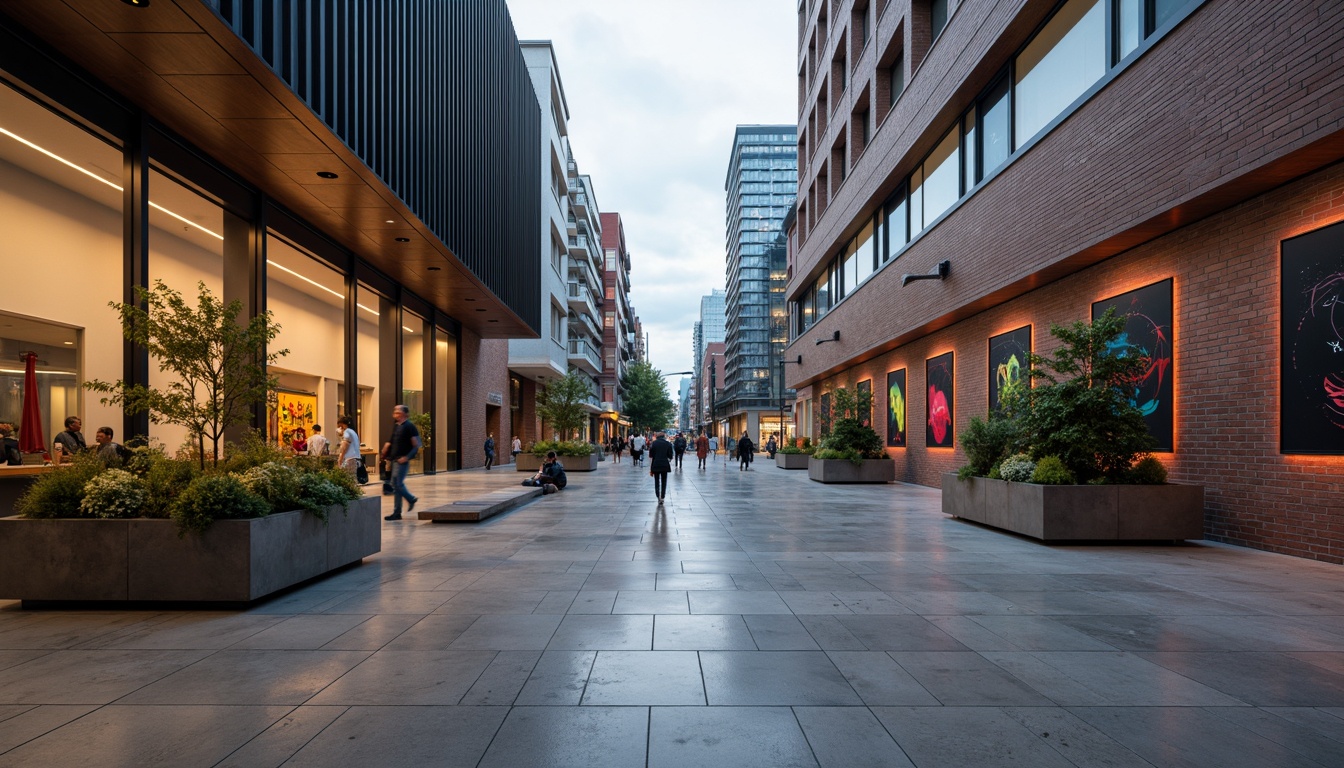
(757, 619)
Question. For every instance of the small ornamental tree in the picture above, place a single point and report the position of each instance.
(218, 363)
(560, 403)
(647, 403)
(1078, 409)
(847, 437)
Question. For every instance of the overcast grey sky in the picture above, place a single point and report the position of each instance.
(655, 90)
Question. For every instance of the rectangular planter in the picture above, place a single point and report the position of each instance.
(530, 463)
(234, 561)
(1079, 512)
(842, 471)
(791, 460)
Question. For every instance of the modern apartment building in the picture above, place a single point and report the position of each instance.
(707, 330)
(1041, 161)
(326, 164)
(760, 189)
(618, 322)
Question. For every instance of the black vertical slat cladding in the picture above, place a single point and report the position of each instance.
(436, 99)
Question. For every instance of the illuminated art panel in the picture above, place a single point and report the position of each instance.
(1311, 400)
(939, 414)
(896, 409)
(1149, 334)
(1009, 355)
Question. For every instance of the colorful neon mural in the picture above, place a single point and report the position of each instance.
(1311, 418)
(938, 427)
(896, 408)
(1009, 354)
(1150, 334)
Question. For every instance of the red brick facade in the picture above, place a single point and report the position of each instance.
(485, 372)
(1181, 167)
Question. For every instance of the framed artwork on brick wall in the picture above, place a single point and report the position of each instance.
(896, 408)
(939, 414)
(866, 388)
(1149, 333)
(1009, 362)
(1311, 372)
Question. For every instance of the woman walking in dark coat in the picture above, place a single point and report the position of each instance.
(745, 450)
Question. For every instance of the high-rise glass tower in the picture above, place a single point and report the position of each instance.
(761, 186)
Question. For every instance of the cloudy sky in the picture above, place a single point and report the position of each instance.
(655, 90)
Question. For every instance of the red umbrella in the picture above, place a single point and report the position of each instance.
(30, 433)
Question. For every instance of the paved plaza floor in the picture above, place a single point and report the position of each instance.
(758, 619)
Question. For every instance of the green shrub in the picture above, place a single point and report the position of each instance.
(790, 450)
(563, 448)
(987, 442)
(849, 436)
(317, 492)
(1017, 468)
(115, 493)
(345, 481)
(1148, 471)
(278, 483)
(995, 472)
(215, 497)
(165, 479)
(252, 451)
(60, 492)
(1051, 471)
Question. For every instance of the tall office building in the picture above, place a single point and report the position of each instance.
(1051, 160)
(761, 187)
(707, 330)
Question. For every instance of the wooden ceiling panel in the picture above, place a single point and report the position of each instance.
(383, 218)
(178, 54)
(113, 16)
(269, 136)
(348, 196)
(228, 96)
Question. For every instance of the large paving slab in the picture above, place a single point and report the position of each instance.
(756, 618)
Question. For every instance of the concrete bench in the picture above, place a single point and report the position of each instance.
(480, 507)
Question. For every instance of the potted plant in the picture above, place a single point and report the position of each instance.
(794, 455)
(850, 451)
(576, 455)
(1069, 458)
(250, 522)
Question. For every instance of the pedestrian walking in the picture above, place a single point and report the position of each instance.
(678, 448)
(516, 448)
(489, 451)
(770, 447)
(714, 446)
(701, 450)
(618, 447)
(637, 450)
(661, 454)
(347, 454)
(745, 451)
(399, 450)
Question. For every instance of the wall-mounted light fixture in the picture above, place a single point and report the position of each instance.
(835, 336)
(939, 272)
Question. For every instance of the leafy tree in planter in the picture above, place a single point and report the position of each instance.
(560, 404)
(847, 437)
(217, 360)
(1078, 409)
(647, 403)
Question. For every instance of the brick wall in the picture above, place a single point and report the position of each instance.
(485, 369)
(1226, 289)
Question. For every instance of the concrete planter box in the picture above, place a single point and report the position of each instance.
(234, 561)
(791, 460)
(530, 463)
(1079, 512)
(842, 471)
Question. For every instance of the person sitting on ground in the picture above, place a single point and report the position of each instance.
(551, 477)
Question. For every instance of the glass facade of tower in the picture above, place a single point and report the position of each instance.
(761, 187)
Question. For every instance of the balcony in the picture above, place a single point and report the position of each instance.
(589, 324)
(581, 271)
(579, 202)
(581, 300)
(582, 354)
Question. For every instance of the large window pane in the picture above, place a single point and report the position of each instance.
(60, 264)
(1163, 10)
(413, 383)
(917, 201)
(850, 270)
(367, 414)
(971, 136)
(824, 293)
(994, 129)
(1129, 26)
(1062, 62)
(942, 176)
(865, 262)
(445, 395)
(307, 299)
(897, 230)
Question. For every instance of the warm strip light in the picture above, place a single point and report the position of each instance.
(316, 284)
(21, 372)
(98, 178)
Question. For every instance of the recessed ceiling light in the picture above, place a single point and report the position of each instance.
(435, 269)
(68, 343)
(327, 175)
(470, 299)
(480, 310)
(389, 221)
(403, 239)
(137, 3)
(494, 321)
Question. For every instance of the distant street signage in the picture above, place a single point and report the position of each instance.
(494, 398)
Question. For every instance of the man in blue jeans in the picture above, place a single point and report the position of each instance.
(400, 449)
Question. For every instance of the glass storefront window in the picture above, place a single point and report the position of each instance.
(413, 384)
(307, 299)
(367, 413)
(445, 405)
(1058, 65)
(60, 211)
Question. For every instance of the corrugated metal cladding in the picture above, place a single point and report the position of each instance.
(435, 97)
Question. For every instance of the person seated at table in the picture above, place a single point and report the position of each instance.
(109, 451)
(9, 447)
(551, 477)
(318, 444)
(69, 442)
